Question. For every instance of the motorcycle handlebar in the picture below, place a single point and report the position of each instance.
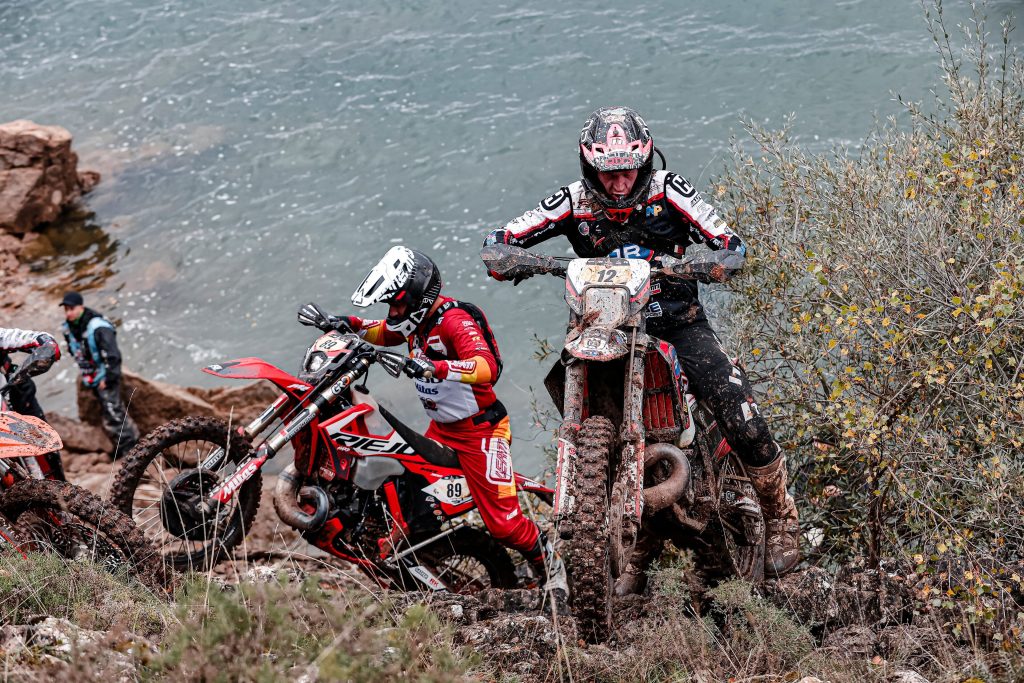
(515, 263)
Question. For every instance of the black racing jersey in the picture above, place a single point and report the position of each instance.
(670, 219)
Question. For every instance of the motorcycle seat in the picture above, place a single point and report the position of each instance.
(432, 451)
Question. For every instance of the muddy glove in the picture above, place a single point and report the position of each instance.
(419, 368)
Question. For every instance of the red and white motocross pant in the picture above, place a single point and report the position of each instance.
(486, 459)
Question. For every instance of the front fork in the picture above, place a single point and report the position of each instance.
(572, 422)
(270, 447)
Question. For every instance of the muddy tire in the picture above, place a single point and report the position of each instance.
(723, 551)
(60, 517)
(587, 546)
(742, 560)
(467, 561)
(185, 539)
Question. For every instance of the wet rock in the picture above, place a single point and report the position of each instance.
(38, 175)
(79, 437)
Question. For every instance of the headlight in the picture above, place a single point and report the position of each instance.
(609, 305)
(314, 361)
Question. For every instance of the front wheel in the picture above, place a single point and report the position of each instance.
(466, 561)
(59, 517)
(161, 487)
(586, 532)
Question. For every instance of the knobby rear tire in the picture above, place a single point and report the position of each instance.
(30, 504)
(216, 432)
(588, 547)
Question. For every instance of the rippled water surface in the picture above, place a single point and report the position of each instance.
(258, 155)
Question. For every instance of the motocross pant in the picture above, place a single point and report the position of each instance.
(23, 400)
(119, 427)
(725, 389)
(484, 453)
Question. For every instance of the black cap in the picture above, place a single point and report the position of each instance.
(72, 299)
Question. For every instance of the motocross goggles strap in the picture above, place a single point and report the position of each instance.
(479, 318)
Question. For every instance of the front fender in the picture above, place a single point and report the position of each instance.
(598, 343)
(257, 368)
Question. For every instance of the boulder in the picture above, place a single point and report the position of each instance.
(150, 403)
(38, 175)
(79, 437)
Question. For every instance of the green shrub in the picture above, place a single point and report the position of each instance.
(266, 632)
(883, 308)
(86, 594)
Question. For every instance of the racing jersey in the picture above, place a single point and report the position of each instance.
(463, 384)
(671, 218)
(13, 339)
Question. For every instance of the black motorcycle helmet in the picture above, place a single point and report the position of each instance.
(616, 139)
(403, 275)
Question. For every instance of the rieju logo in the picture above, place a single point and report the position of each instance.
(367, 444)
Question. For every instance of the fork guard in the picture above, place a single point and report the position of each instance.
(660, 496)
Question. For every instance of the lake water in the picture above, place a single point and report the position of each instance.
(259, 155)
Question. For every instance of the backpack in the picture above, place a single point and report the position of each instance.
(479, 318)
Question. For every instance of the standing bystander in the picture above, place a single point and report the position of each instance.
(92, 340)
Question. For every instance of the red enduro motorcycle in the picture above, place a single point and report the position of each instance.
(39, 513)
(363, 486)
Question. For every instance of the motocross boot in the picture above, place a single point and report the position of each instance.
(548, 566)
(634, 578)
(782, 528)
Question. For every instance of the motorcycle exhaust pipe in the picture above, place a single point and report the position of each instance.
(660, 496)
(288, 509)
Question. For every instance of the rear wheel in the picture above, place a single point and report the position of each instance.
(741, 522)
(55, 516)
(161, 488)
(466, 561)
(586, 532)
(733, 543)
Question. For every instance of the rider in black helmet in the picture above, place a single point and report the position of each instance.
(624, 208)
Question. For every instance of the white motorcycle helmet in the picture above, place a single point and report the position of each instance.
(406, 276)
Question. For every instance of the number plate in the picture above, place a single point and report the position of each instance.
(607, 275)
(450, 490)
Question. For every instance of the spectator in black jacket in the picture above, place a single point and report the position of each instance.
(92, 340)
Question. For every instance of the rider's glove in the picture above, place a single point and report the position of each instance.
(310, 314)
(519, 277)
(419, 368)
(342, 323)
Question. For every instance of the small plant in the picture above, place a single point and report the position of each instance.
(266, 632)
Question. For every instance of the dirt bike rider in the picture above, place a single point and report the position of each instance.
(43, 352)
(624, 208)
(454, 361)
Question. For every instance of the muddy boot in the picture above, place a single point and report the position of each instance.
(634, 578)
(782, 528)
(549, 568)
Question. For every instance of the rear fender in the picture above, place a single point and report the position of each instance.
(257, 368)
